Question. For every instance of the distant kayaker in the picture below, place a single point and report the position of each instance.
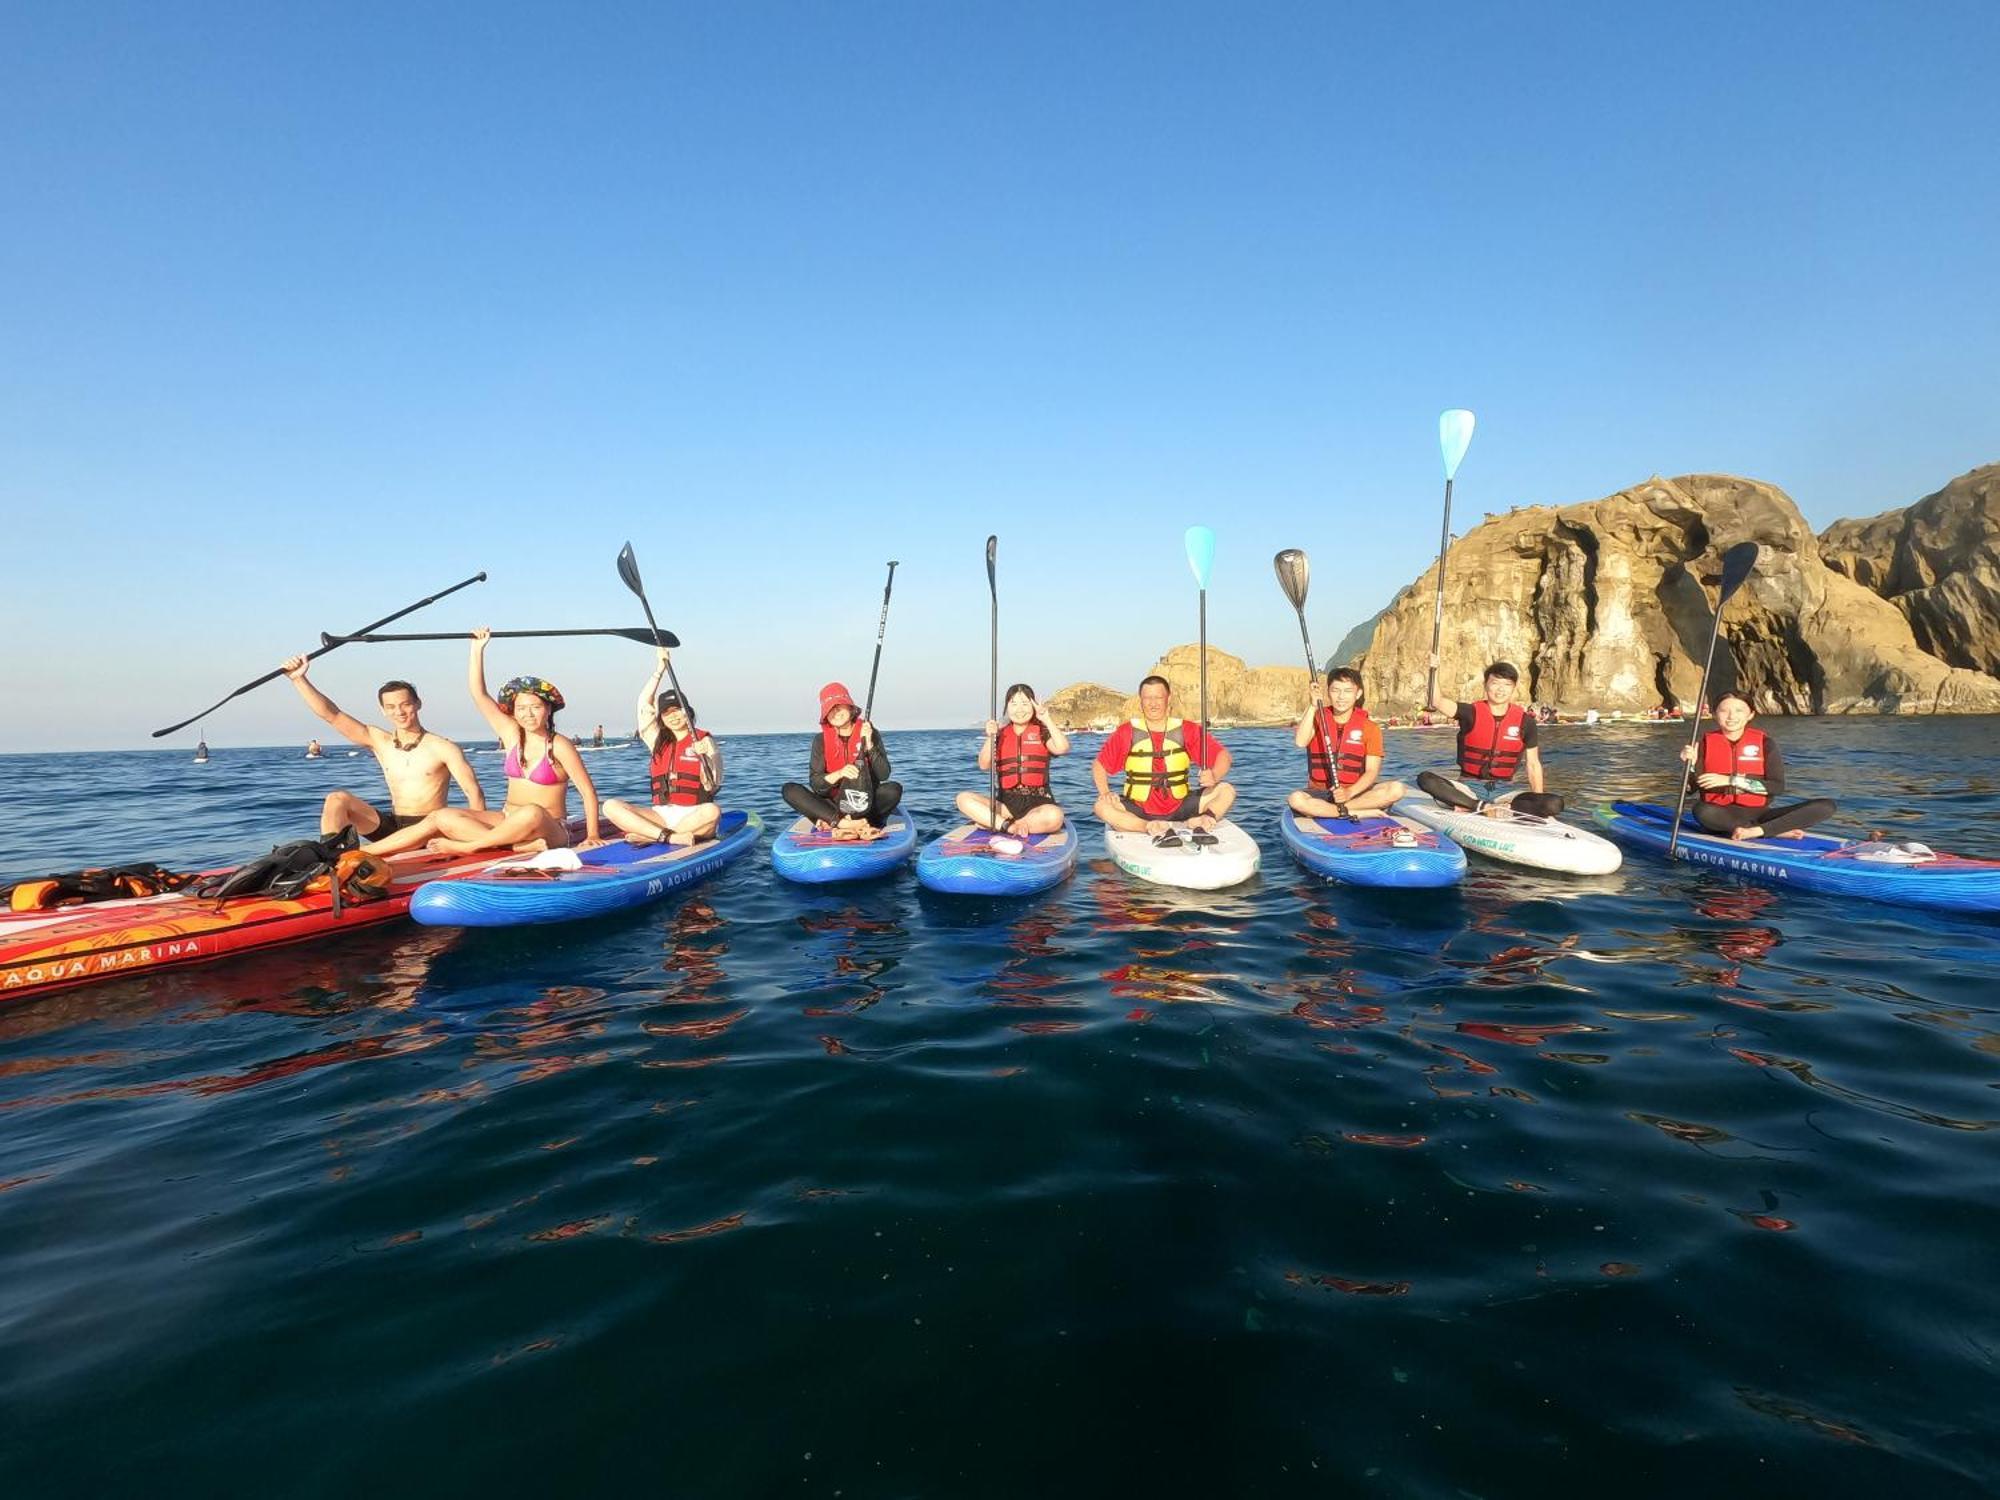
(1739, 772)
(540, 765)
(850, 794)
(417, 764)
(1021, 748)
(1496, 738)
(1174, 771)
(1336, 719)
(686, 771)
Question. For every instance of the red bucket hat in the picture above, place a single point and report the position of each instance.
(831, 697)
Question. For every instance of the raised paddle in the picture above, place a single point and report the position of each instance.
(643, 636)
(1200, 543)
(628, 569)
(311, 655)
(1454, 436)
(1294, 574)
(881, 629)
(1737, 564)
(993, 690)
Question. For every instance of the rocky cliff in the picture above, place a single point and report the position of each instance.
(1237, 692)
(1607, 604)
(1937, 561)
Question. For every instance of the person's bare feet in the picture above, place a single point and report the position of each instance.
(1743, 835)
(1158, 827)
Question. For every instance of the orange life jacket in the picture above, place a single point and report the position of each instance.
(1022, 758)
(1745, 757)
(676, 772)
(1491, 748)
(1349, 741)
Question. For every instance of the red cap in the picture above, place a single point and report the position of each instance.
(831, 697)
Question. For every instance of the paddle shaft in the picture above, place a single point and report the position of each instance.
(1204, 675)
(1708, 662)
(630, 633)
(1312, 681)
(993, 690)
(1437, 601)
(881, 630)
(314, 655)
(628, 571)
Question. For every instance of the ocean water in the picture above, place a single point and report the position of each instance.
(1622, 1186)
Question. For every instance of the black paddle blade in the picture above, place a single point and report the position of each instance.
(628, 569)
(1737, 564)
(1294, 574)
(1446, 791)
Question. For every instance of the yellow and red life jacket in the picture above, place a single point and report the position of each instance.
(1746, 756)
(1148, 766)
(1350, 747)
(676, 771)
(1491, 748)
(1021, 755)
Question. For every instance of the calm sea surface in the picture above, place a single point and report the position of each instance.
(1650, 1184)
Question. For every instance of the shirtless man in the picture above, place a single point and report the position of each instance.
(415, 762)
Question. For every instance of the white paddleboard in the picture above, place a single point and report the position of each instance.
(1517, 839)
(1231, 860)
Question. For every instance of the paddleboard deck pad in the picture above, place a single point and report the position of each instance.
(805, 854)
(1390, 852)
(1518, 839)
(971, 861)
(1904, 874)
(1232, 859)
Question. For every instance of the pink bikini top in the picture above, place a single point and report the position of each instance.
(545, 773)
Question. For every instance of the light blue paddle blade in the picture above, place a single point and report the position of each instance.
(1201, 552)
(1454, 437)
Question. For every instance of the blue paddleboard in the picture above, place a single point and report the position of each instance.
(614, 878)
(965, 862)
(804, 854)
(1906, 874)
(1378, 851)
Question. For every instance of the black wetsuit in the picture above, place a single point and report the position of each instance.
(1717, 817)
(820, 801)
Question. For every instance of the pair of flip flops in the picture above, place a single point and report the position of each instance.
(1201, 839)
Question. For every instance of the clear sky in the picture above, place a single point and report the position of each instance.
(309, 310)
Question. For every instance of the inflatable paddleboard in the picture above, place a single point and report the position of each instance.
(969, 861)
(523, 891)
(1905, 874)
(1231, 860)
(1517, 839)
(1372, 850)
(804, 854)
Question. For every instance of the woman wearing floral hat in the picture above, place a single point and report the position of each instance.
(540, 765)
(849, 794)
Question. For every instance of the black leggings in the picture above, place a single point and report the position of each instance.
(1773, 820)
(806, 804)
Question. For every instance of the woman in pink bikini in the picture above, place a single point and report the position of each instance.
(540, 766)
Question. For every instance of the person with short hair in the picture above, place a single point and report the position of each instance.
(685, 771)
(1737, 772)
(1336, 720)
(417, 764)
(1174, 771)
(1496, 738)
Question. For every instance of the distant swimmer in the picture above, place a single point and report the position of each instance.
(540, 765)
(415, 763)
(686, 771)
(1018, 752)
(313, 751)
(1174, 771)
(1496, 738)
(1336, 721)
(848, 791)
(1739, 773)
(597, 739)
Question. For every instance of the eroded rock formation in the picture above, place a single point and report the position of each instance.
(1237, 692)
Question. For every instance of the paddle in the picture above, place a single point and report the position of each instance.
(312, 655)
(881, 629)
(1200, 543)
(1294, 574)
(993, 690)
(628, 570)
(1454, 436)
(630, 633)
(1737, 564)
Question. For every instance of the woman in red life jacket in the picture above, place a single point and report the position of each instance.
(1737, 772)
(849, 794)
(1022, 748)
(685, 772)
(1336, 719)
(1496, 738)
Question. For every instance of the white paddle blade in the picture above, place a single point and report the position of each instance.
(1200, 553)
(1454, 437)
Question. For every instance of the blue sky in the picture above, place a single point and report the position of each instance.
(307, 311)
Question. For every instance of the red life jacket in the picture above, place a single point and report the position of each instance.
(1022, 758)
(676, 772)
(1746, 757)
(1350, 747)
(1491, 748)
(840, 749)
